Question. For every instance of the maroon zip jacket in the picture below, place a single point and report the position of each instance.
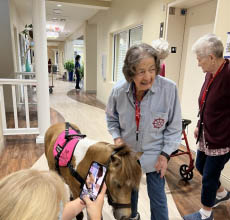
(215, 113)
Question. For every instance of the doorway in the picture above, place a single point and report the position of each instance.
(184, 27)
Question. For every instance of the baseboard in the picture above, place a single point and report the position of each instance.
(40, 139)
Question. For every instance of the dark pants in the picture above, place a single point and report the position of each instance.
(210, 168)
(77, 80)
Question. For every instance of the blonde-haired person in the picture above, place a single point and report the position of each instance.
(162, 47)
(32, 194)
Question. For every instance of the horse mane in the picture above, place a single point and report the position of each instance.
(130, 168)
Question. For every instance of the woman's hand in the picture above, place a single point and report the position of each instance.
(94, 208)
(118, 141)
(161, 165)
(196, 133)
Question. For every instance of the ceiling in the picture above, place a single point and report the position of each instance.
(64, 17)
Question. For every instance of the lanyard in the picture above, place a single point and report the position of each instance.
(137, 110)
(209, 84)
(137, 116)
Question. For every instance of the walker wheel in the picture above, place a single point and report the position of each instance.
(50, 90)
(184, 172)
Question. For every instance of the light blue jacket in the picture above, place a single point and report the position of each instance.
(160, 104)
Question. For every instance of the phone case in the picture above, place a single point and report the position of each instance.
(94, 180)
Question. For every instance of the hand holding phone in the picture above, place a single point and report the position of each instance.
(94, 180)
(94, 208)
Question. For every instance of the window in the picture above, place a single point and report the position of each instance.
(123, 41)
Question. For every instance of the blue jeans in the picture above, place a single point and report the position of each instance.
(156, 193)
(210, 168)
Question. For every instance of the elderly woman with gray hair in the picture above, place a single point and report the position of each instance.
(212, 131)
(144, 112)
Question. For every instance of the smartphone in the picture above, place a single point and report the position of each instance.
(94, 180)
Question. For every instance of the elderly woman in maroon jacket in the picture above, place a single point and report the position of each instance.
(213, 128)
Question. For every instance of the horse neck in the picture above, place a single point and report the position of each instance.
(90, 150)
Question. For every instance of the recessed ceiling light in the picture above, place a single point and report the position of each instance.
(59, 5)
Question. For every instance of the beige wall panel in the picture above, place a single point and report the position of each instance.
(90, 76)
(175, 36)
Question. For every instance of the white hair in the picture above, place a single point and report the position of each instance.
(162, 47)
(207, 45)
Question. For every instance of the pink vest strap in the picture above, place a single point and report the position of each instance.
(66, 146)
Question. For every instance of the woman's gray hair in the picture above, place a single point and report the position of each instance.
(207, 45)
(133, 57)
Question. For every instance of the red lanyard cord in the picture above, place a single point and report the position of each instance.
(137, 117)
(209, 84)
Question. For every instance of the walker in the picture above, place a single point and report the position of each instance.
(186, 171)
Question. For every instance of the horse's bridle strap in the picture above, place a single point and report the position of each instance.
(116, 205)
(110, 199)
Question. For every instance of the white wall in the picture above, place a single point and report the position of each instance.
(69, 50)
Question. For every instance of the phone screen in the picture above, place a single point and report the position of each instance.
(94, 181)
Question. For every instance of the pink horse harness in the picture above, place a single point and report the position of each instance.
(64, 148)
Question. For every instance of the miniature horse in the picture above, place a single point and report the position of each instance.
(124, 172)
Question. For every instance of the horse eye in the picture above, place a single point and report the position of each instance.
(118, 186)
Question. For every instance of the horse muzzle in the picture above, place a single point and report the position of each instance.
(122, 214)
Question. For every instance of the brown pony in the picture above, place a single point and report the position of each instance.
(124, 173)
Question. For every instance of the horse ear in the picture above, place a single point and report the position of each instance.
(116, 160)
